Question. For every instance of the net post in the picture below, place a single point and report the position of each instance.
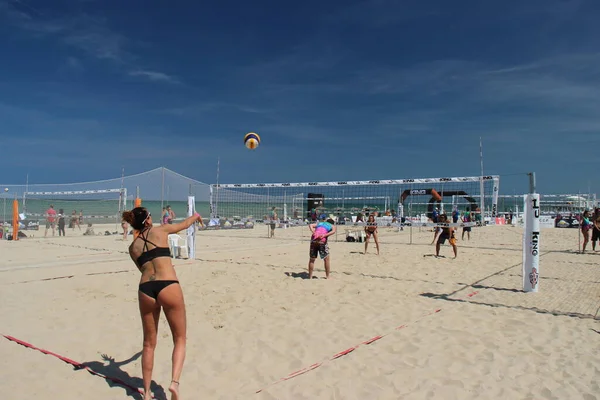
(4, 194)
(531, 182)
(162, 189)
(191, 230)
(138, 201)
(531, 238)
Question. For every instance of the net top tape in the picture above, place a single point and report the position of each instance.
(99, 191)
(356, 183)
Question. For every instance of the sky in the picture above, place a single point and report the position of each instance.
(337, 90)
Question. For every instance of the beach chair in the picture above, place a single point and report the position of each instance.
(178, 246)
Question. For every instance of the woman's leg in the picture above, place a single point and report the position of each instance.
(367, 242)
(171, 299)
(311, 267)
(150, 312)
(586, 238)
(376, 238)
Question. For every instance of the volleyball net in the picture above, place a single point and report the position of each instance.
(102, 201)
(400, 201)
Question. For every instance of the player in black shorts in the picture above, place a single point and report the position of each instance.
(371, 230)
(318, 244)
(595, 228)
(445, 233)
(467, 217)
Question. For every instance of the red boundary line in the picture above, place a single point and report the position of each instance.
(350, 349)
(288, 377)
(74, 363)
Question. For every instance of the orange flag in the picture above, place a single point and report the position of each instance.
(15, 219)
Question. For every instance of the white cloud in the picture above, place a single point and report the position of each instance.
(85, 33)
(155, 76)
(197, 109)
(74, 64)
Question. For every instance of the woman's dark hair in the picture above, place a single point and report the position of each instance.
(136, 217)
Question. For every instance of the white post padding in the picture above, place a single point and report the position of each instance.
(495, 198)
(531, 243)
(191, 230)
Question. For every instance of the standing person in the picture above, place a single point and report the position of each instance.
(435, 215)
(61, 222)
(50, 220)
(74, 218)
(125, 227)
(479, 217)
(371, 230)
(159, 289)
(164, 217)
(318, 245)
(466, 218)
(595, 228)
(455, 214)
(586, 226)
(445, 233)
(272, 222)
(80, 220)
(172, 215)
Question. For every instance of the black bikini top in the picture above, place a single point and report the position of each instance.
(151, 254)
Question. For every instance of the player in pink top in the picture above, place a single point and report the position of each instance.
(318, 244)
(50, 219)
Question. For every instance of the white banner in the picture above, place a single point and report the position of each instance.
(495, 197)
(191, 231)
(547, 221)
(531, 243)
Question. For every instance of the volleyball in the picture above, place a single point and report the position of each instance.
(251, 140)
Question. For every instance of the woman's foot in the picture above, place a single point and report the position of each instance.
(174, 389)
(148, 395)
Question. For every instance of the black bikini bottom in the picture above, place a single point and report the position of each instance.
(153, 288)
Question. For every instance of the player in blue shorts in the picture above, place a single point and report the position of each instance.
(318, 244)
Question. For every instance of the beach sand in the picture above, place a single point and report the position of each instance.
(253, 318)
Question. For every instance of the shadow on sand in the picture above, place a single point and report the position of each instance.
(299, 275)
(116, 377)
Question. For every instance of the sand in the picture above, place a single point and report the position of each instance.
(253, 318)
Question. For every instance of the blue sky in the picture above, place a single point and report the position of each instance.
(338, 90)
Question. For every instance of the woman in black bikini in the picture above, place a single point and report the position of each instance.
(159, 289)
(371, 230)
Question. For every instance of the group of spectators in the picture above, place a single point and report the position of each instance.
(54, 220)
